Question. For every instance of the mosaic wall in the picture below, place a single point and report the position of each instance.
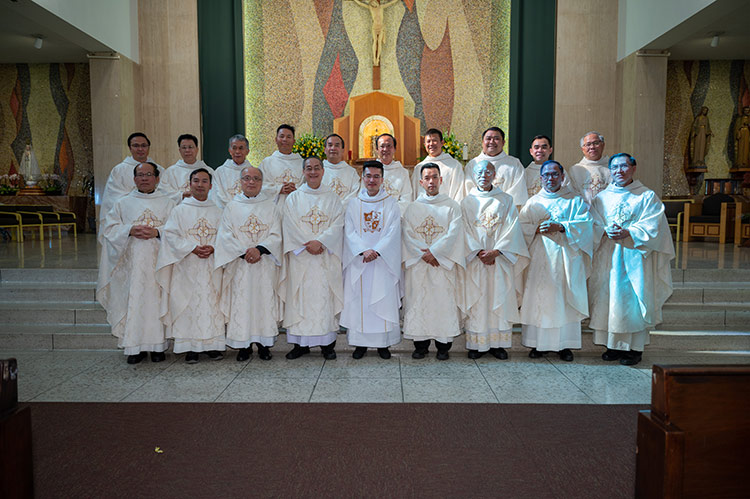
(304, 59)
(722, 86)
(49, 106)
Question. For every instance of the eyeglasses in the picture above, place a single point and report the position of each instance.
(248, 178)
(372, 177)
(144, 175)
(619, 167)
(595, 143)
(313, 169)
(551, 175)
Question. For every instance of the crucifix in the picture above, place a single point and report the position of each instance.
(376, 8)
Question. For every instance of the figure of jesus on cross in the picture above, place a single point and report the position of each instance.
(376, 11)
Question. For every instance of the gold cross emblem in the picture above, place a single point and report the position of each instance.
(235, 189)
(390, 189)
(487, 220)
(596, 183)
(429, 229)
(287, 176)
(372, 221)
(315, 218)
(253, 227)
(148, 218)
(202, 231)
(338, 187)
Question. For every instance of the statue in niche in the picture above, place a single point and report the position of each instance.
(376, 11)
(700, 138)
(742, 139)
(30, 167)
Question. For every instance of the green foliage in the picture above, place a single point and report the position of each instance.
(452, 146)
(308, 144)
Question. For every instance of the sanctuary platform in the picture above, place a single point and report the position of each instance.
(54, 326)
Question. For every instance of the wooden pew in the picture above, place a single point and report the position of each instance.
(695, 440)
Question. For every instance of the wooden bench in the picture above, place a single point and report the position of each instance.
(42, 217)
(695, 440)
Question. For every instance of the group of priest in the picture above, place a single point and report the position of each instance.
(207, 259)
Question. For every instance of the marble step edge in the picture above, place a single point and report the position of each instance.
(706, 307)
(63, 285)
(48, 275)
(710, 275)
(50, 305)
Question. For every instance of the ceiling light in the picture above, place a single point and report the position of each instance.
(715, 41)
(38, 41)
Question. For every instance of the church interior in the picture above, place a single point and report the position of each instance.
(668, 82)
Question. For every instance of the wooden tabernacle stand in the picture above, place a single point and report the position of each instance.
(695, 440)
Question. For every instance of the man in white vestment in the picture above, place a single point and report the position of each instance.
(312, 285)
(191, 285)
(540, 150)
(559, 231)
(509, 173)
(120, 181)
(631, 276)
(372, 266)
(432, 251)
(339, 176)
(396, 180)
(227, 176)
(590, 176)
(176, 179)
(127, 287)
(450, 169)
(496, 255)
(282, 170)
(248, 246)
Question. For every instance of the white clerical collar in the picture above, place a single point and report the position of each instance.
(131, 161)
(320, 190)
(286, 157)
(364, 196)
(438, 198)
(198, 164)
(442, 157)
(563, 192)
(475, 191)
(194, 202)
(234, 166)
(603, 161)
(392, 165)
(158, 193)
(336, 166)
(634, 186)
(261, 196)
(535, 166)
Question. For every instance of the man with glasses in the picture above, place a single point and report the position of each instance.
(227, 176)
(496, 256)
(312, 286)
(372, 266)
(559, 233)
(631, 276)
(395, 177)
(120, 182)
(590, 176)
(248, 246)
(127, 287)
(176, 179)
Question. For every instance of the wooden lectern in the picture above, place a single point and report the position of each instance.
(695, 440)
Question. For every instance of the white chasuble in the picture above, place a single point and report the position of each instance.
(249, 296)
(175, 180)
(312, 285)
(341, 179)
(191, 285)
(432, 297)
(119, 184)
(533, 178)
(555, 300)
(492, 293)
(397, 184)
(279, 168)
(226, 182)
(631, 278)
(127, 287)
(589, 178)
(509, 176)
(372, 290)
(451, 172)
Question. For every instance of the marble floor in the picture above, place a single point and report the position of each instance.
(104, 376)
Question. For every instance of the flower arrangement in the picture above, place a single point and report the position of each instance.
(452, 146)
(308, 144)
(10, 184)
(50, 183)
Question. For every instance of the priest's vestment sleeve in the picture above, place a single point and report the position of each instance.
(439, 229)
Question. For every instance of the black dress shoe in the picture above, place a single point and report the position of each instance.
(418, 354)
(535, 354)
(135, 359)
(157, 356)
(384, 353)
(215, 355)
(499, 353)
(442, 355)
(244, 354)
(631, 358)
(297, 352)
(264, 352)
(566, 355)
(359, 352)
(610, 354)
(191, 357)
(328, 351)
(474, 354)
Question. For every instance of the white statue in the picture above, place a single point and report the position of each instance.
(30, 167)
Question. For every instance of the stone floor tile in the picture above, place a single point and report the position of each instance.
(357, 390)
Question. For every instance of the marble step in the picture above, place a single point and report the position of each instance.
(51, 291)
(710, 275)
(49, 275)
(712, 316)
(52, 312)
